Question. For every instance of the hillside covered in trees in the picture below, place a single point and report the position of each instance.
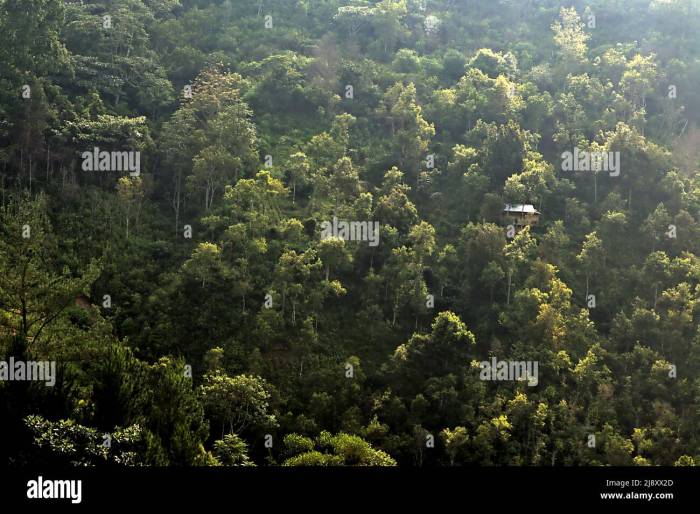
(177, 178)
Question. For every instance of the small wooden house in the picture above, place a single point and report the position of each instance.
(521, 215)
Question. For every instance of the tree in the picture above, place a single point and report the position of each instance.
(533, 185)
(298, 167)
(256, 202)
(394, 207)
(657, 225)
(353, 18)
(517, 254)
(453, 64)
(410, 132)
(422, 238)
(65, 442)
(570, 37)
(33, 43)
(592, 258)
(292, 277)
(236, 403)
(210, 168)
(172, 417)
(493, 63)
(117, 61)
(491, 276)
(336, 450)
(178, 144)
(332, 253)
(657, 271)
(387, 16)
(34, 291)
(405, 281)
(454, 440)
(446, 265)
(212, 135)
(445, 350)
(231, 450)
(638, 80)
(344, 182)
(130, 191)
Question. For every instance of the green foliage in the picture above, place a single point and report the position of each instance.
(237, 403)
(232, 451)
(196, 309)
(172, 416)
(334, 450)
(65, 442)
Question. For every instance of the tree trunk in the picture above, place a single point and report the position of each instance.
(510, 275)
(595, 188)
(176, 202)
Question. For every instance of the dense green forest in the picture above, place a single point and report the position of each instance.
(195, 311)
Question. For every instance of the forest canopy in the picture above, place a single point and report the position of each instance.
(365, 233)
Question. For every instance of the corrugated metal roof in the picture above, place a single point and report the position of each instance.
(518, 207)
